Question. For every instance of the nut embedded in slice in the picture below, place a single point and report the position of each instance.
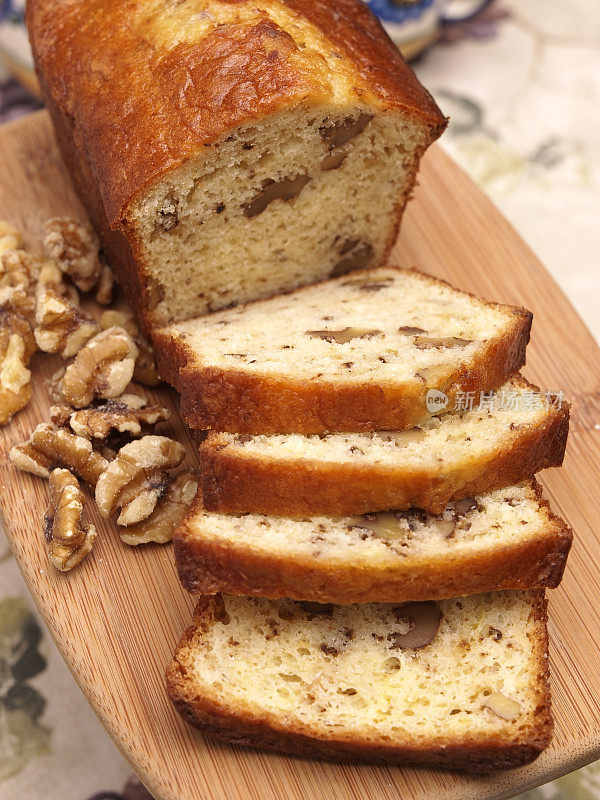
(102, 368)
(344, 335)
(69, 541)
(48, 448)
(384, 524)
(431, 342)
(340, 133)
(369, 284)
(284, 189)
(402, 438)
(420, 623)
(502, 706)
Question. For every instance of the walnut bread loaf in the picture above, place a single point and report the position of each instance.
(358, 352)
(507, 539)
(462, 683)
(231, 150)
(513, 434)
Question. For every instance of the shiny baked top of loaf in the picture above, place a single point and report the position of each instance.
(146, 84)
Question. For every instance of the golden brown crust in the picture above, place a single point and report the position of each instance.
(207, 567)
(234, 483)
(114, 244)
(141, 105)
(238, 401)
(258, 728)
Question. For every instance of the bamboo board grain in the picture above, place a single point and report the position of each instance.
(116, 620)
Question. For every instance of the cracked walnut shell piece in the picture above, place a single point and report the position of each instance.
(169, 512)
(102, 368)
(69, 541)
(17, 346)
(75, 247)
(136, 480)
(48, 448)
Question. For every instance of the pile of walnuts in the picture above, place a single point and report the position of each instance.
(102, 427)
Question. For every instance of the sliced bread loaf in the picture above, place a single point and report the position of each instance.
(508, 539)
(355, 353)
(507, 438)
(461, 684)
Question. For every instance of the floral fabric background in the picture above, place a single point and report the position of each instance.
(521, 82)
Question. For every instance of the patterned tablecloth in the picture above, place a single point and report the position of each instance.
(522, 85)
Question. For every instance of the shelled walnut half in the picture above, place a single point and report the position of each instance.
(75, 247)
(61, 327)
(17, 346)
(102, 368)
(168, 513)
(10, 237)
(137, 479)
(18, 273)
(68, 541)
(128, 414)
(48, 448)
(145, 365)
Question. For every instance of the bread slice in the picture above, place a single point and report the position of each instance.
(508, 437)
(348, 682)
(231, 150)
(355, 353)
(507, 539)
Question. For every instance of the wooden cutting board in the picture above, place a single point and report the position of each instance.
(116, 620)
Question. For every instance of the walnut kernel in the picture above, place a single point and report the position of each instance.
(61, 327)
(69, 542)
(102, 368)
(48, 448)
(75, 247)
(145, 366)
(159, 526)
(135, 480)
(125, 414)
(284, 189)
(10, 237)
(344, 335)
(17, 345)
(105, 286)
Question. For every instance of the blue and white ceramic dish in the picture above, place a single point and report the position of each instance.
(413, 24)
